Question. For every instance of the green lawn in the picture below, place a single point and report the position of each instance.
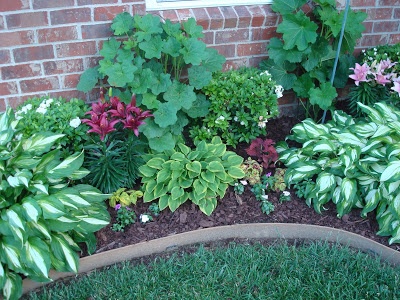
(239, 271)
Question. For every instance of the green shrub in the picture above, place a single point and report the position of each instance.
(42, 218)
(242, 101)
(149, 62)
(201, 175)
(351, 162)
(56, 115)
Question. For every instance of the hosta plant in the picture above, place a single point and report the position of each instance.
(200, 175)
(42, 217)
(241, 102)
(302, 58)
(352, 162)
(165, 64)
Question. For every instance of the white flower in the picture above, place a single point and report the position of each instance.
(144, 218)
(363, 50)
(279, 91)
(244, 182)
(265, 73)
(220, 118)
(18, 137)
(75, 122)
(235, 119)
(241, 123)
(286, 193)
(262, 124)
(265, 197)
(49, 101)
(42, 110)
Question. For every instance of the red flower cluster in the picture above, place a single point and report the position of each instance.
(105, 115)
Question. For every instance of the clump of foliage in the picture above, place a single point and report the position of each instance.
(252, 171)
(242, 101)
(264, 151)
(56, 115)
(199, 175)
(353, 162)
(147, 57)
(260, 192)
(125, 217)
(376, 79)
(42, 217)
(276, 182)
(114, 152)
(303, 58)
(124, 197)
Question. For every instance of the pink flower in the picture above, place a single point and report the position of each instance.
(396, 87)
(386, 64)
(118, 206)
(382, 79)
(360, 73)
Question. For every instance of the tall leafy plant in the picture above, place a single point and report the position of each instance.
(42, 217)
(148, 58)
(303, 58)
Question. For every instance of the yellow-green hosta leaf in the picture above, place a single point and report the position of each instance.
(147, 171)
(392, 172)
(207, 205)
(194, 167)
(163, 202)
(155, 163)
(236, 172)
(176, 193)
(215, 166)
(36, 256)
(67, 167)
(12, 288)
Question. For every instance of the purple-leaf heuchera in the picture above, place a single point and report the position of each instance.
(264, 151)
(105, 115)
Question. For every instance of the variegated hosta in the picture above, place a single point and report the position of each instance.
(201, 175)
(42, 217)
(353, 162)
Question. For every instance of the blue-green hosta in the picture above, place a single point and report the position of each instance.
(200, 175)
(42, 217)
(353, 162)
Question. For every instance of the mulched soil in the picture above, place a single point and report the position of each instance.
(233, 210)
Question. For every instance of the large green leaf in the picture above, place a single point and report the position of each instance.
(298, 31)
(122, 23)
(67, 166)
(279, 54)
(165, 115)
(35, 256)
(40, 143)
(287, 6)
(193, 51)
(149, 25)
(192, 29)
(63, 252)
(212, 60)
(280, 72)
(179, 96)
(199, 107)
(199, 76)
(323, 96)
(165, 142)
(152, 48)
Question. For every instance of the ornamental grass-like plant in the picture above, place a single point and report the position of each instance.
(241, 102)
(351, 162)
(43, 217)
(113, 153)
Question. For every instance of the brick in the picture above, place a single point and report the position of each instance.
(379, 13)
(208, 37)
(68, 94)
(33, 53)
(32, 19)
(217, 20)
(5, 56)
(11, 39)
(263, 34)
(230, 17)
(255, 61)
(243, 15)
(389, 3)
(170, 15)
(356, 3)
(139, 9)
(1, 23)
(8, 88)
(234, 64)
(12, 5)
(386, 26)
(57, 34)
(91, 2)
(108, 13)
(66, 16)
(396, 13)
(257, 15)
(374, 40)
(368, 27)
(96, 31)
(21, 71)
(251, 49)
(202, 18)
(63, 66)
(271, 18)
(184, 14)
(93, 61)
(71, 80)
(3, 105)
(226, 50)
(39, 84)
(76, 49)
(394, 39)
(231, 36)
(39, 4)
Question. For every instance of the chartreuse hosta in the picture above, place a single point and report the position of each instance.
(200, 175)
(42, 217)
(353, 162)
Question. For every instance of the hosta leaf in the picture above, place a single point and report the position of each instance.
(67, 167)
(371, 201)
(350, 138)
(392, 172)
(199, 188)
(147, 171)
(194, 167)
(40, 143)
(163, 202)
(31, 209)
(324, 146)
(63, 223)
(236, 172)
(90, 193)
(11, 253)
(373, 114)
(176, 193)
(386, 111)
(215, 167)
(12, 288)
(173, 204)
(325, 183)
(207, 205)
(36, 256)
(63, 252)
(93, 223)
(348, 192)
(52, 208)
(298, 31)
(155, 163)
(12, 217)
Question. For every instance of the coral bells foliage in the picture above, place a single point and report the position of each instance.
(105, 115)
(264, 151)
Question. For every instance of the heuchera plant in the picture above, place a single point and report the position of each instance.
(147, 57)
(114, 154)
(264, 151)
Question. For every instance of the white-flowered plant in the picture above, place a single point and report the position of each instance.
(56, 115)
(241, 102)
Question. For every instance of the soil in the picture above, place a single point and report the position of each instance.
(233, 210)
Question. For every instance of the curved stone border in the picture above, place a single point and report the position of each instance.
(269, 231)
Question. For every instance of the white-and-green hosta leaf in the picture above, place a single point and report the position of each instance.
(387, 111)
(67, 167)
(314, 130)
(63, 224)
(24, 161)
(393, 187)
(296, 157)
(342, 119)
(44, 188)
(372, 144)
(348, 194)
(41, 228)
(395, 125)
(64, 252)
(393, 150)
(394, 205)
(364, 130)
(2, 276)
(79, 174)
(350, 139)
(70, 197)
(336, 195)
(12, 288)
(324, 146)
(372, 113)
(40, 143)
(52, 208)
(31, 209)
(371, 201)
(325, 183)
(395, 233)
(92, 222)
(90, 193)
(10, 253)
(36, 256)
(6, 118)
(392, 172)
(299, 133)
(366, 180)
(13, 215)
(382, 130)
(6, 136)
(22, 177)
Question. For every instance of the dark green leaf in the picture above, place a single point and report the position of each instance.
(122, 23)
(88, 79)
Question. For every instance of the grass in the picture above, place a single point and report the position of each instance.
(239, 271)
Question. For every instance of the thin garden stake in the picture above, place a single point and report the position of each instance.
(338, 50)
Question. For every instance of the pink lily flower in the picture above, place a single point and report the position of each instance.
(396, 87)
(360, 73)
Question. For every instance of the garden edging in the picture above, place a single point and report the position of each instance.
(269, 231)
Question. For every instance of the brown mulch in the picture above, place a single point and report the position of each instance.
(231, 210)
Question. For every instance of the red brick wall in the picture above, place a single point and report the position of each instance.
(45, 44)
